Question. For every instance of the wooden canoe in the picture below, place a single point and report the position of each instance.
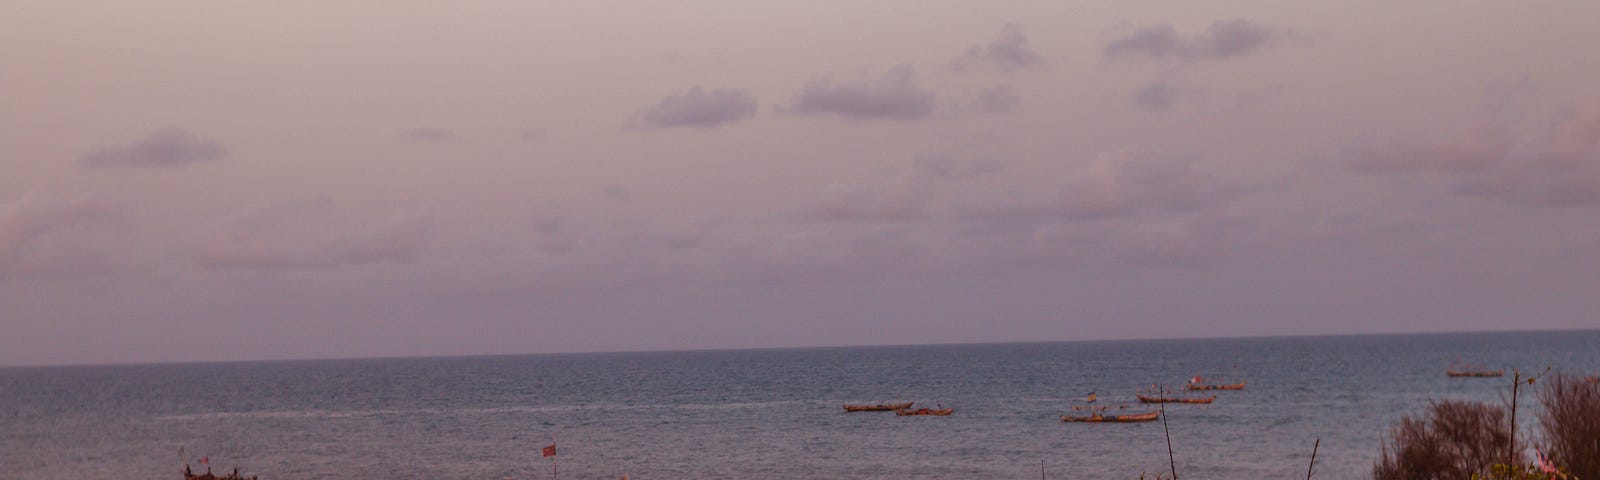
(1101, 418)
(1474, 373)
(881, 407)
(1215, 386)
(906, 412)
(1149, 399)
(190, 475)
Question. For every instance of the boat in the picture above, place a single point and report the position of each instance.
(1214, 386)
(190, 475)
(1163, 399)
(1473, 372)
(906, 412)
(1197, 383)
(881, 407)
(1097, 417)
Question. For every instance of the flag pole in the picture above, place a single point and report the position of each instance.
(554, 470)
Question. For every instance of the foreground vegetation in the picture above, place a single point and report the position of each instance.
(1474, 440)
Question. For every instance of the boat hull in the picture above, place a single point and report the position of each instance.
(1131, 418)
(1203, 386)
(882, 407)
(1148, 399)
(1475, 373)
(925, 411)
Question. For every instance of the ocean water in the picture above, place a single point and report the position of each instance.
(758, 413)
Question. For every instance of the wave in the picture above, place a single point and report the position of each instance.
(332, 414)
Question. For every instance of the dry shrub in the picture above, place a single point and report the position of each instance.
(1454, 441)
(1571, 422)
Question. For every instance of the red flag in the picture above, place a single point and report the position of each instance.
(550, 451)
(206, 460)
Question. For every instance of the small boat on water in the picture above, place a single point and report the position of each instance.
(1163, 399)
(1097, 417)
(906, 412)
(1199, 383)
(1215, 386)
(1473, 372)
(190, 475)
(881, 407)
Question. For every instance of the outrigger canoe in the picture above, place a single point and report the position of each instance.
(906, 412)
(1474, 373)
(881, 407)
(190, 475)
(1215, 386)
(1097, 417)
(1148, 399)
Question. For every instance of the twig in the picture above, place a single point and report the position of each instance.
(1313, 457)
(1163, 409)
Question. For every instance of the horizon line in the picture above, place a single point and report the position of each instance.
(774, 348)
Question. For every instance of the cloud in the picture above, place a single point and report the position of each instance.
(35, 233)
(904, 199)
(945, 166)
(1223, 39)
(168, 148)
(895, 96)
(428, 134)
(616, 192)
(1578, 135)
(1156, 97)
(1558, 165)
(1475, 149)
(1007, 53)
(997, 99)
(1118, 184)
(296, 234)
(1258, 96)
(698, 108)
(1122, 182)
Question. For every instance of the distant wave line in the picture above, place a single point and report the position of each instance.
(327, 414)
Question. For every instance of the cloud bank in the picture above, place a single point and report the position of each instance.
(304, 234)
(170, 147)
(1557, 165)
(894, 96)
(428, 134)
(34, 233)
(1156, 97)
(1223, 39)
(997, 99)
(1008, 53)
(698, 108)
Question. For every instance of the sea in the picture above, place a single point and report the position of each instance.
(764, 414)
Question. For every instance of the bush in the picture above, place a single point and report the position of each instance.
(1456, 440)
(1571, 423)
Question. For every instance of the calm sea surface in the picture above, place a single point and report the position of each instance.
(756, 413)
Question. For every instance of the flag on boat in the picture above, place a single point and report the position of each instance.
(206, 460)
(550, 451)
(1196, 379)
(1090, 399)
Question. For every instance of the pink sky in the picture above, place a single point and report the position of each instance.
(244, 180)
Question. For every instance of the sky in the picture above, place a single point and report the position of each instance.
(229, 180)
